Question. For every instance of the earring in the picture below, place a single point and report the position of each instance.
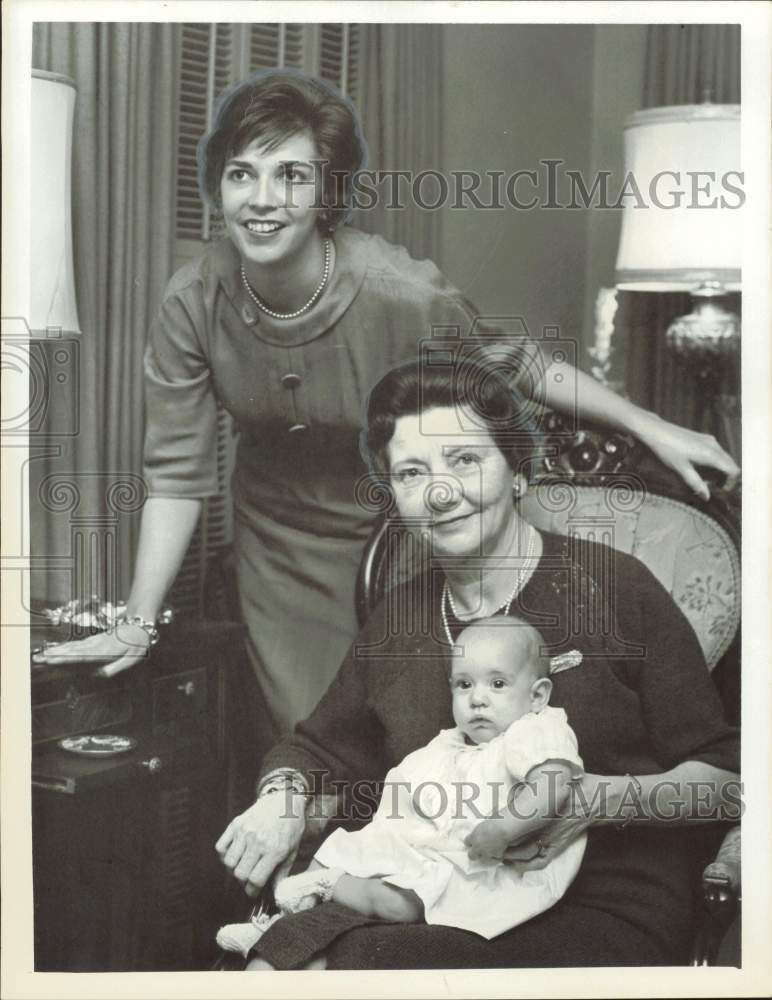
(518, 488)
(327, 222)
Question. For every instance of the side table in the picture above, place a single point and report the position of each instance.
(124, 868)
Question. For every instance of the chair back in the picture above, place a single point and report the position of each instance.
(689, 552)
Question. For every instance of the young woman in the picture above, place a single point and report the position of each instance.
(287, 322)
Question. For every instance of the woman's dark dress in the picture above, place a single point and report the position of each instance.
(641, 702)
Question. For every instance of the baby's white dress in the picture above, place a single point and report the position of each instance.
(433, 799)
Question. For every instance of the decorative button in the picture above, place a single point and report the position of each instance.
(298, 427)
(291, 380)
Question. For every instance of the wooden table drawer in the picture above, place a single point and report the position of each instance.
(82, 711)
(180, 697)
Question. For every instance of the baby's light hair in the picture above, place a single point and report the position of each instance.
(517, 629)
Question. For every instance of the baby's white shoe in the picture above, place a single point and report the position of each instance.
(243, 937)
(306, 890)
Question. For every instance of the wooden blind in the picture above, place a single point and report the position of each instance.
(206, 70)
(339, 57)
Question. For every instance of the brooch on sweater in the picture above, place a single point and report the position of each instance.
(564, 661)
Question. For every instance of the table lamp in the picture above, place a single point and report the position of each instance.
(682, 230)
(53, 308)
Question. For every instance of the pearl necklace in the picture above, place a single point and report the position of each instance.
(298, 312)
(447, 596)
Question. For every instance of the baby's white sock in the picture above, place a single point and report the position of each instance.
(242, 937)
(306, 890)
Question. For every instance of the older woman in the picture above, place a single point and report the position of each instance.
(287, 322)
(449, 442)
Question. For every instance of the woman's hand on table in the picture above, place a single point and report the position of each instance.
(263, 839)
(119, 648)
(681, 449)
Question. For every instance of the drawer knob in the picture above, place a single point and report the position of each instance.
(153, 765)
(188, 688)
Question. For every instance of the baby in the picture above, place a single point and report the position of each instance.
(430, 853)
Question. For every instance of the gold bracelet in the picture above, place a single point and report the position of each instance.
(143, 623)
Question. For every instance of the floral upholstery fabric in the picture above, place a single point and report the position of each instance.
(690, 554)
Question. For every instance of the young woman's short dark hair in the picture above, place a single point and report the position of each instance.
(487, 399)
(271, 107)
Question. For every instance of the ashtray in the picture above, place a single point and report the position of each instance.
(97, 746)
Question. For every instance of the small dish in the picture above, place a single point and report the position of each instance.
(97, 745)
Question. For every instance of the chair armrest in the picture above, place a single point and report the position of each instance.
(721, 892)
(721, 880)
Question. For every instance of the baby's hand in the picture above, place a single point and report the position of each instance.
(489, 840)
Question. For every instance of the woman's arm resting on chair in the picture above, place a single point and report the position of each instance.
(677, 447)
(167, 526)
(691, 792)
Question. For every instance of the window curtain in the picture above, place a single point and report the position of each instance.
(685, 63)
(86, 493)
(401, 104)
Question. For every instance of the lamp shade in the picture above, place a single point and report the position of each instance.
(52, 286)
(682, 221)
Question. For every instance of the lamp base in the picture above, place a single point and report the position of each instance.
(708, 341)
(708, 332)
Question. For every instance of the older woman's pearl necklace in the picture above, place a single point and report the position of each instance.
(447, 596)
(298, 312)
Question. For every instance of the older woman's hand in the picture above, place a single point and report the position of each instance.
(119, 648)
(530, 840)
(554, 837)
(263, 839)
(682, 449)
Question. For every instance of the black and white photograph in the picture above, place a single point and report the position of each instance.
(385, 451)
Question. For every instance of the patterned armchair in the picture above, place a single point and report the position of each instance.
(609, 489)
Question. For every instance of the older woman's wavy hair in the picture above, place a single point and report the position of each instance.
(272, 106)
(468, 383)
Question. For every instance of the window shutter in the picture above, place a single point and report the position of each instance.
(339, 57)
(192, 124)
(295, 46)
(263, 46)
(206, 70)
(352, 89)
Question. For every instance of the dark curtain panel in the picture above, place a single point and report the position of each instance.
(684, 64)
(83, 496)
(687, 63)
(401, 103)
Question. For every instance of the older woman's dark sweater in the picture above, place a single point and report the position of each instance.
(640, 702)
